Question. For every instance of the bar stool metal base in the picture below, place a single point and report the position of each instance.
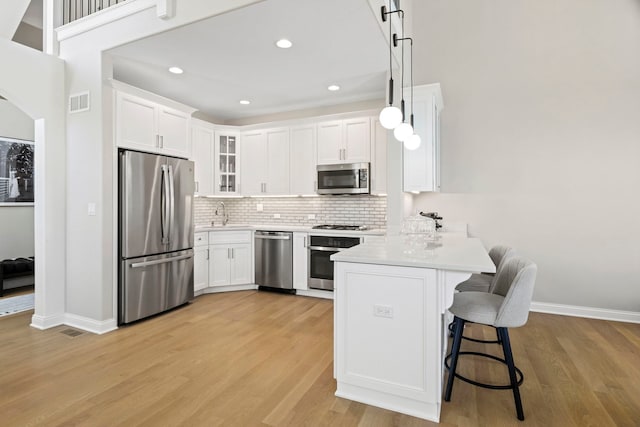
(451, 332)
(503, 337)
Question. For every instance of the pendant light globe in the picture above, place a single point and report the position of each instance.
(403, 131)
(412, 142)
(390, 117)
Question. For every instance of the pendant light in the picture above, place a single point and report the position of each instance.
(407, 134)
(390, 116)
(404, 130)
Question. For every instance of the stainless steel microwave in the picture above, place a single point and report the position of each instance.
(351, 178)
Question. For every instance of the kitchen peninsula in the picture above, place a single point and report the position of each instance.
(390, 317)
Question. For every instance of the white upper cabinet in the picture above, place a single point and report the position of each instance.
(173, 128)
(254, 162)
(378, 172)
(302, 177)
(330, 143)
(344, 141)
(421, 167)
(202, 148)
(357, 140)
(148, 126)
(277, 161)
(265, 167)
(226, 162)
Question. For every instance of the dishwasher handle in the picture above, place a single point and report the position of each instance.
(278, 236)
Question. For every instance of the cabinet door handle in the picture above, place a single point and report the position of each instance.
(157, 141)
(228, 253)
(207, 253)
(161, 141)
(233, 253)
(304, 241)
(197, 186)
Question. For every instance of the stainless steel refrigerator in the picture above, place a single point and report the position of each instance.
(156, 234)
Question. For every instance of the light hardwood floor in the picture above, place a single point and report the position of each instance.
(262, 359)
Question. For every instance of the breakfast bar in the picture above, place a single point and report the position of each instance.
(390, 317)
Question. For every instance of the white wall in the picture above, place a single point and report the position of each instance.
(91, 240)
(541, 136)
(34, 83)
(14, 123)
(16, 222)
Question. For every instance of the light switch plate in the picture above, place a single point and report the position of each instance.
(259, 207)
(91, 209)
(276, 215)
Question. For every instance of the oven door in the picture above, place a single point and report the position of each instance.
(321, 267)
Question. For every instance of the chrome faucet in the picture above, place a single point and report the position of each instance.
(225, 217)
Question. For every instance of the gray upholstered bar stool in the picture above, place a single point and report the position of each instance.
(483, 282)
(507, 306)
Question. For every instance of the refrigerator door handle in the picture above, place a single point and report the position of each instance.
(172, 202)
(160, 261)
(164, 205)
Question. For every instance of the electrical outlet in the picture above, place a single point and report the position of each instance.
(259, 207)
(276, 216)
(383, 311)
(91, 209)
(311, 216)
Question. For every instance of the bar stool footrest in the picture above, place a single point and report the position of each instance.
(520, 377)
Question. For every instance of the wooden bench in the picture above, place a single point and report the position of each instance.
(18, 267)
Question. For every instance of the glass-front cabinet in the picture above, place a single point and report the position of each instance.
(226, 179)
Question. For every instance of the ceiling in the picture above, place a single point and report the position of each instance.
(233, 57)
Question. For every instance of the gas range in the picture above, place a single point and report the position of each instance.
(341, 227)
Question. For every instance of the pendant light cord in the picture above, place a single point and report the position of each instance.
(412, 83)
(390, 63)
(402, 72)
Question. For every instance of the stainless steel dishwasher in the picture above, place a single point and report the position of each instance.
(274, 259)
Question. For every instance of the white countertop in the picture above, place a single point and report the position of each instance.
(449, 252)
(292, 228)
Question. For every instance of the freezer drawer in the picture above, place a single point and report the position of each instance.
(151, 285)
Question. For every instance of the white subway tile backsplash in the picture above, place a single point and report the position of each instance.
(346, 210)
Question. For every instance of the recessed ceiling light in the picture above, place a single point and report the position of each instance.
(333, 88)
(176, 70)
(284, 44)
(245, 102)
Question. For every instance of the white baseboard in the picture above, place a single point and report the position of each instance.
(46, 322)
(588, 312)
(315, 293)
(90, 325)
(230, 288)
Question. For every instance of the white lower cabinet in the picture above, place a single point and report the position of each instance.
(230, 258)
(300, 261)
(200, 268)
(201, 261)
